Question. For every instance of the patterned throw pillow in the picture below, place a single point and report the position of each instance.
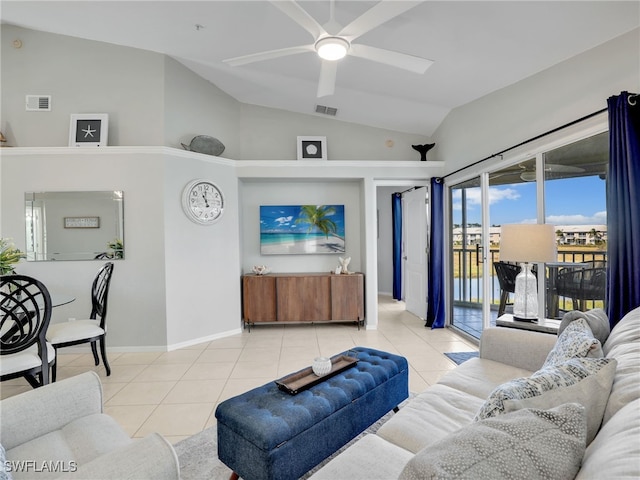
(545, 379)
(576, 340)
(596, 319)
(529, 443)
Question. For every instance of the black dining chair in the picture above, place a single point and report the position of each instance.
(25, 312)
(506, 273)
(92, 330)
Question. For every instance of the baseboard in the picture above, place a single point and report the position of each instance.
(86, 348)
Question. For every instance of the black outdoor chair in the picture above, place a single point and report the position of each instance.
(91, 331)
(25, 312)
(582, 285)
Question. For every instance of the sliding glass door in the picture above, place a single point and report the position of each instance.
(467, 256)
(563, 186)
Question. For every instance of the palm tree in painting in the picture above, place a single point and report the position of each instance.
(318, 217)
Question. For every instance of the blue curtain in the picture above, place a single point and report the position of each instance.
(623, 206)
(396, 218)
(436, 278)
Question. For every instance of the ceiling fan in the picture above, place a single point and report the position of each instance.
(333, 42)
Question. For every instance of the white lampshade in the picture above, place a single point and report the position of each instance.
(527, 243)
(523, 242)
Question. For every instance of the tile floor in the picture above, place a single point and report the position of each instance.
(176, 393)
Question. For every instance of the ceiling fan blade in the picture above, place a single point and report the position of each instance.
(268, 55)
(376, 16)
(300, 16)
(395, 59)
(327, 83)
(554, 167)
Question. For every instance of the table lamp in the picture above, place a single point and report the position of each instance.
(527, 244)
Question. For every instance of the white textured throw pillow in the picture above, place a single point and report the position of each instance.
(530, 443)
(592, 393)
(576, 340)
(544, 380)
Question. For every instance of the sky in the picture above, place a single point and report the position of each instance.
(569, 201)
(281, 219)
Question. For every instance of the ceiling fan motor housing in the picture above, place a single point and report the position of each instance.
(332, 48)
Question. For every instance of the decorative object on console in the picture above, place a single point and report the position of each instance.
(89, 130)
(321, 366)
(312, 148)
(205, 144)
(344, 262)
(423, 149)
(527, 243)
(260, 269)
(203, 202)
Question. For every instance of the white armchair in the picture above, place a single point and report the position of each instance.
(60, 430)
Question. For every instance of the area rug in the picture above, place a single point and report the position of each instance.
(198, 454)
(459, 357)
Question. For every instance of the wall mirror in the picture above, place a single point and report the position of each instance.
(74, 225)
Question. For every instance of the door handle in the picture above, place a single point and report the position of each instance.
(479, 253)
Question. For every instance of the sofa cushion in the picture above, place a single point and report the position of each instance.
(355, 463)
(615, 452)
(479, 376)
(592, 393)
(545, 379)
(429, 417)
(576, 340)
(624, 345)
(528, 443)
(596, 318)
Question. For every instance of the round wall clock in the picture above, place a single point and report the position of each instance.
(203, 202)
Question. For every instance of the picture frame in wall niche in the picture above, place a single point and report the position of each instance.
(88, 130)
(312, 148)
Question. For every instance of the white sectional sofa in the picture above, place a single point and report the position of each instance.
(547, 433)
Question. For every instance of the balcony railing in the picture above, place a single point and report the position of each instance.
(468, 270)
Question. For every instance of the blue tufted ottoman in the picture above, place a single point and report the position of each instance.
(266, 433)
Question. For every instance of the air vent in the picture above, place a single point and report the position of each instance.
(38, 103)
(326, 110)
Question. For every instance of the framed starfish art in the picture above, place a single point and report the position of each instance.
(88, 130)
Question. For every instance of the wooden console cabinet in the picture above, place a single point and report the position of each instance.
(303, 297)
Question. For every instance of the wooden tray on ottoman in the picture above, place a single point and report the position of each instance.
(304, 379)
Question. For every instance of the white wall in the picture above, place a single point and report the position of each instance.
(202, 262)
(554, 97)
(193, 106)
(270, 134)
(385, 239)
(254, 194)
(82, 76)
(137, 311)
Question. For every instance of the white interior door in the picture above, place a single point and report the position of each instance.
(415, 251)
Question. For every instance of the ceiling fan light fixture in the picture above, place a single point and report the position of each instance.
(528, 176)
(332, 48)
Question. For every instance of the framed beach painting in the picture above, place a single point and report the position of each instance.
(301, 229)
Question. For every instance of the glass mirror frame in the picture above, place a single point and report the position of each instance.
(73, 225)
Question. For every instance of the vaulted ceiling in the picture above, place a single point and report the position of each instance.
(477, 47)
